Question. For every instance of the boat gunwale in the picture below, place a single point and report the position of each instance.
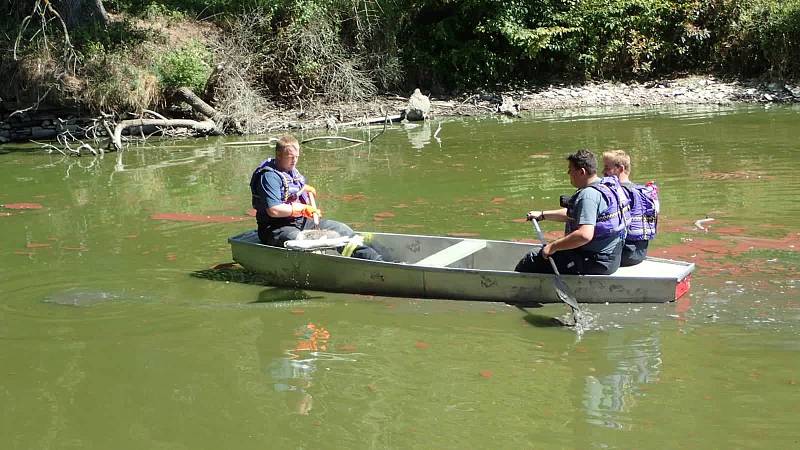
(687, 266)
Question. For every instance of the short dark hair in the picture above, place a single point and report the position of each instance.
(584, 159)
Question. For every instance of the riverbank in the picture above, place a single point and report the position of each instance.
(690, 90)
(271, 117)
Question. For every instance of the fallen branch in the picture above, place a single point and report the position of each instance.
(368, 121)
(270, 141)
(88, 147)
(34, 107)
(202, 127)
(190, 98)
(49, 147)
(337, 148)
(385, 121)
(223, 123)
(319, 138)
(154, 114)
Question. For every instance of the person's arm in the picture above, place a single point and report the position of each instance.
(587, 207)
(582, 236)
(270, 187)
(558, 215)
(280, 210)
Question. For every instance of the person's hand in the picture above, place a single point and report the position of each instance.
(547, 251)
(538, 215)
(308, 188)
(303, 210)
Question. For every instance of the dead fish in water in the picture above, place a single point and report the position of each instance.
(75, 297)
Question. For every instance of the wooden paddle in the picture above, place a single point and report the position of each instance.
(314, 205)
(562, 291)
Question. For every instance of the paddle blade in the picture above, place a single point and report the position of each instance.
(564, 293)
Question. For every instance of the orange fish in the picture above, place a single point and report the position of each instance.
(422, 345)
(22, 206)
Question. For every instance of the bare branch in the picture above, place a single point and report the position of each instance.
(358, 141)
(203, 127)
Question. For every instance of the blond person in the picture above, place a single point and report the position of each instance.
(644, 207)
(281, 199)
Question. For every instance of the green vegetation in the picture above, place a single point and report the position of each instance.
(295, 50)
(186, 66)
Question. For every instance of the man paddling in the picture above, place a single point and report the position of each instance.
(283, 201)
(595, 218)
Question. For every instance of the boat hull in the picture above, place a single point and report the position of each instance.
(486, 274)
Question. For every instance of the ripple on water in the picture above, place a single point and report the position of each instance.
(96, 305)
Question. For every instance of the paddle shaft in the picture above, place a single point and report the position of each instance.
(541, 238)
(314, 205)
(569, 299)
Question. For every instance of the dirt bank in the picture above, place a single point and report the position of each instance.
(691, 90)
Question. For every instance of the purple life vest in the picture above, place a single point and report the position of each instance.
(291, 184)
(644, 211)
(614, 220)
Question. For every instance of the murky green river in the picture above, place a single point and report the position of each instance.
(116, 333)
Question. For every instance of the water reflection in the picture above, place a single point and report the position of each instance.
(293, 373)
(419, 135)
(608, 399)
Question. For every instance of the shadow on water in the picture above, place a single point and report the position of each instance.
(541, 321)
(231, 272)
(538, 320)
(275, 295)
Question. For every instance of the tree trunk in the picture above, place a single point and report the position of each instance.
(81, 12)
(204, 127)
(224, 123)
(186, 95)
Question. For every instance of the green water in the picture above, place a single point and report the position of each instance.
(114, 333)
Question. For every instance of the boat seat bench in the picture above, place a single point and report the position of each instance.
(449, 255)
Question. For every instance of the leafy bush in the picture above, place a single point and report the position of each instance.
(480, 42)
(186, 66)
(766, 38)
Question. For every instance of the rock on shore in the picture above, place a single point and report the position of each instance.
(692, 90)
(687, 91)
